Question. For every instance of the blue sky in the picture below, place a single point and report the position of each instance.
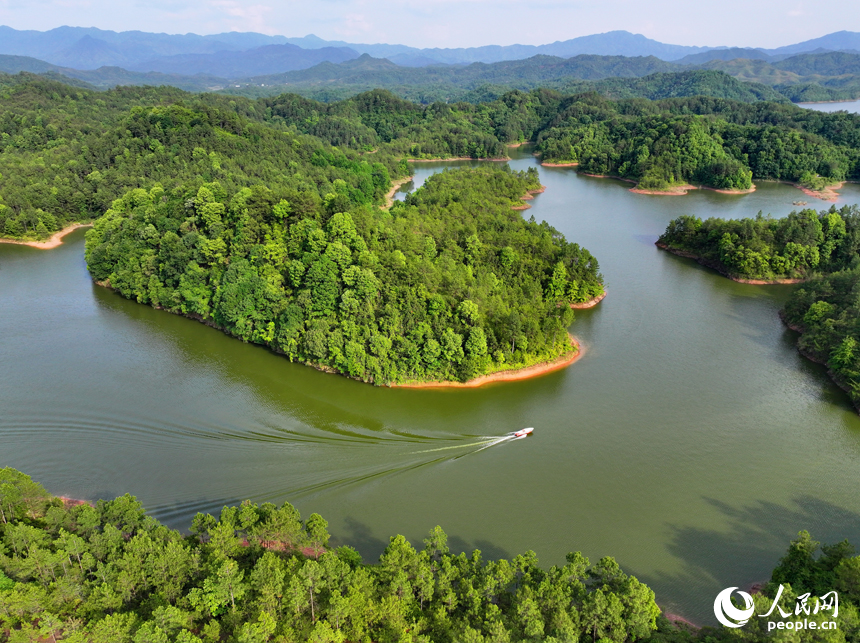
(455, 23)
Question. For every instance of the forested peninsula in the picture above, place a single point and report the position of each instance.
(821, 249)
(108, 573)
(450, 285)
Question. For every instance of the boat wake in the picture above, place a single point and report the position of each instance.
(484, 442)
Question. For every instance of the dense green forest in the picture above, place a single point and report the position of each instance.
(66, 153)
(826, 76)
(794, 247)
(823, 76)
(257, 573)
(451, 284)
(821, 247)
(109, 573)
(614, 76)
(704, 141)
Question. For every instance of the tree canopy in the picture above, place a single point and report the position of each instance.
(451, 284)
(257, 573)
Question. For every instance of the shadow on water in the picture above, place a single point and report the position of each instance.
(333, 404)
(359, 535)
(752, 534)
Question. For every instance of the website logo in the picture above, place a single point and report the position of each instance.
(724, 609)
(732, 615)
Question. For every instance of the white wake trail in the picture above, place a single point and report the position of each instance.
(485, 443)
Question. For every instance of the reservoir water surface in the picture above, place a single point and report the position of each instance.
(691, 442)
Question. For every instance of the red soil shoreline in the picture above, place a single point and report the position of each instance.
(827, 193)
(676, 190)
(55, 239)
(680, 190)
(509, 376)
(68, 503)
(528, 196)
(591, 303)
(680, 620)
(720, 269)
(512, 375)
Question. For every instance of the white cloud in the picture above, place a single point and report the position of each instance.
(243, 17)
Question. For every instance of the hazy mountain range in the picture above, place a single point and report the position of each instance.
(826, 68)
(240, 55)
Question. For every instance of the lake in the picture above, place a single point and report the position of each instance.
(852, 106)
(690, 442)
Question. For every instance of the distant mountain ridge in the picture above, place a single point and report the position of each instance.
(91, 48)
(61, 46)
(827, 76)
(255, 64)
(613, 43)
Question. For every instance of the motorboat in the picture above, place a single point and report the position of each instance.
(523, 432)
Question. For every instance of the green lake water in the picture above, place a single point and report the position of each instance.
(691, 441)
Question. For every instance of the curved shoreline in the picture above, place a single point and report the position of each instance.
(675, 190)
(681, 190)
(74, 502)
(679, 621)
(395, 185)
(721, 269)
(53, 241)
(827, 193)
(516, 375)
(570, 164)
(527, 372)
(591, 303)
